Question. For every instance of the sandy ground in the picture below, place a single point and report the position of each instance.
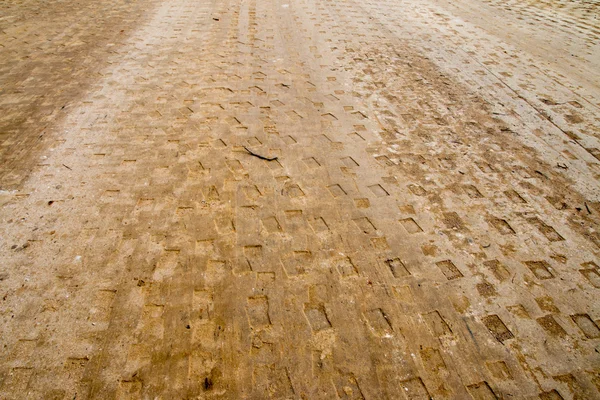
(424, 222)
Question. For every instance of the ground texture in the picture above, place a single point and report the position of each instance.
(424, 222)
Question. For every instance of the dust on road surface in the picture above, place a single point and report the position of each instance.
(299, 199)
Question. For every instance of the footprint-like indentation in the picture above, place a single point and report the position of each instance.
(258, 311)
(378, 190)
(346, 267)
(271, 224)
(449, 270)
(410, 225)
(587, 325)
(551, 326)
(545, 229)
(365, 225)
(336, 190)
(497, 328)
(541, 269)
(379, 322)
(481, 391)
(437, 324)
(501, 226)
(397, 267)
(417, 190)
(317, 317)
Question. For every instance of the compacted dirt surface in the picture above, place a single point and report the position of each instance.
(299, 199)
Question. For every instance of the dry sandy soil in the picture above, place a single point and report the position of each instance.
(426, 223)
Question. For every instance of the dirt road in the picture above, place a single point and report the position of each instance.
(299, 199)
